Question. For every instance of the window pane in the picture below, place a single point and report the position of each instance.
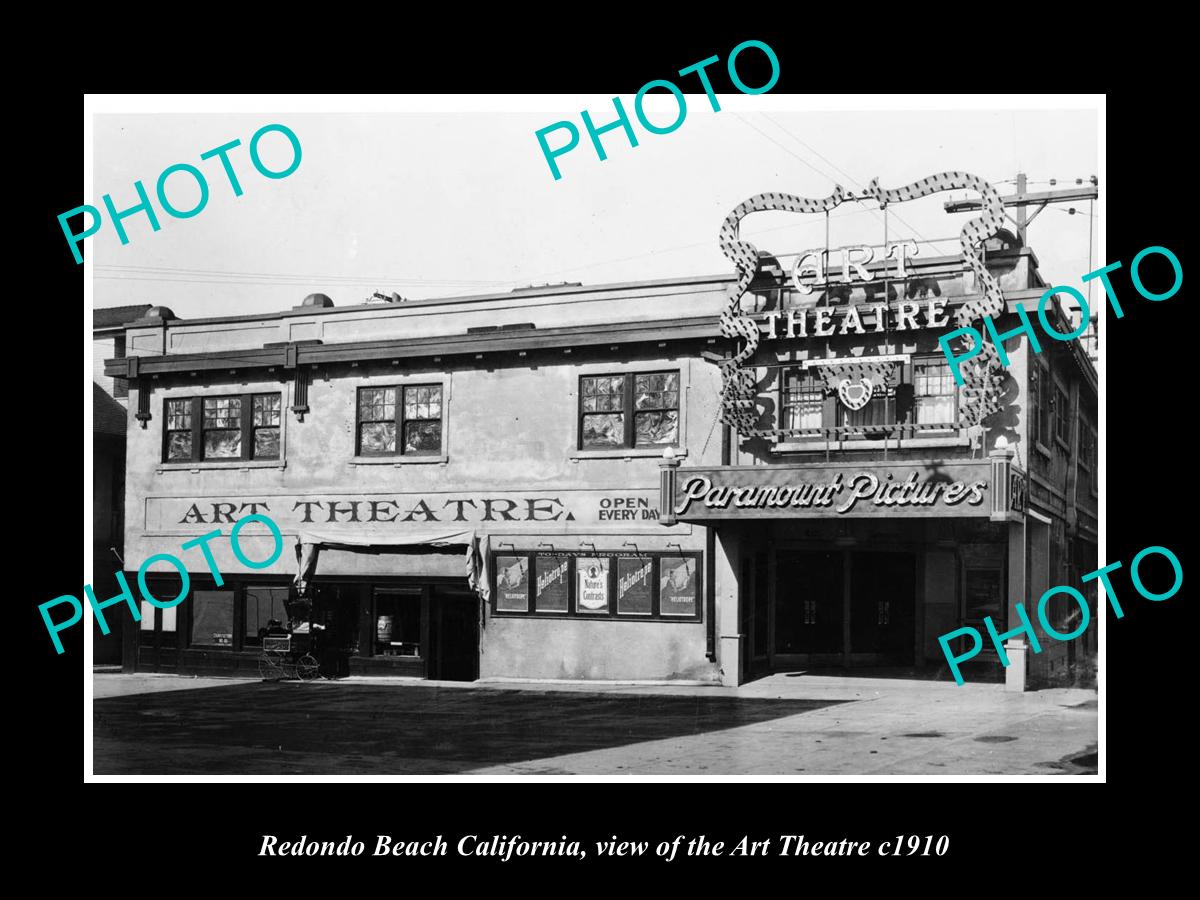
(656, 427)
(379, 437)
(266, 443)
(223, 444)
(606, 430)
(803, 400)
(604, 394)
(422, 437)
(397, 624)
(266, 409)
(179, 445)
(179, 413)
(265, 608)
(935, 410)
(656, 391)
(424, 402)
(377, 404)
(677, 586)
(223, 412)
(168, 619)
(212, 618)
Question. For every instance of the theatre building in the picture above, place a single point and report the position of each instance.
(696, 479)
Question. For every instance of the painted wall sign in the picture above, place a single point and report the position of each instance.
(834, 491)
(540, 509)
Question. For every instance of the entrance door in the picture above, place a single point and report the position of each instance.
(455, 635)
(882, 603)
(808, 605)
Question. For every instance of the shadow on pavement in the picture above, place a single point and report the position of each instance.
(280, 729)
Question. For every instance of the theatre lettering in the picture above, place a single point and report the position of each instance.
(841, 493)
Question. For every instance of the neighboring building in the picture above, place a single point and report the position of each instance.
(523, 442)
(109, 415)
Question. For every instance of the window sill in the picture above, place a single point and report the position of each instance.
(398, 460)
(1065, 446)
(817, 445)
(625, 453)
(224, 464)
(1042, 449)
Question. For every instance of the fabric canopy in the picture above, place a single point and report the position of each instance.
(310, 543)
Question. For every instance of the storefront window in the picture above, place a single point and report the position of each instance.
(265, 608)
(212, 618)
(598, 585)
(397, 623)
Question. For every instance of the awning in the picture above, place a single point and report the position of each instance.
(310, 543)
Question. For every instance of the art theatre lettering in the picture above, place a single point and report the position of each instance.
(457, 509)
(561, 509)
(904, 490)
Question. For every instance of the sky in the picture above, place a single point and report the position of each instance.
(453, 203)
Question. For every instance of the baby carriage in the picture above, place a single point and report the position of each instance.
(290, 652)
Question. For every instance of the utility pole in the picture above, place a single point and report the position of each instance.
(1041, 199)
(1023, 198)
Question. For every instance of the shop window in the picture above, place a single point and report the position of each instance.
(397, 623)
(266, 608)
(595, 586)
(628, 411)
(212, 619)
(400, 421)
(236, 427)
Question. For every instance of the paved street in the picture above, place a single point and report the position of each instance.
(781, 725)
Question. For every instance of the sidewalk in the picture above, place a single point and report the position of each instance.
(779, 725)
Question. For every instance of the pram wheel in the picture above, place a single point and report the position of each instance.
(270, 668)
(307, 667)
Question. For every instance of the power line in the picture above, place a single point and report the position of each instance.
(291, 276)
(837, 168)
(824, 175)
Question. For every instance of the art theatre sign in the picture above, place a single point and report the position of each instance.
(908, 489)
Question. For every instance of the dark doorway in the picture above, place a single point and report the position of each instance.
(454, 635)
(882, 602)
(808, 602)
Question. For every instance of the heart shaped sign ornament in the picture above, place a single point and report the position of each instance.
(855, 394)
